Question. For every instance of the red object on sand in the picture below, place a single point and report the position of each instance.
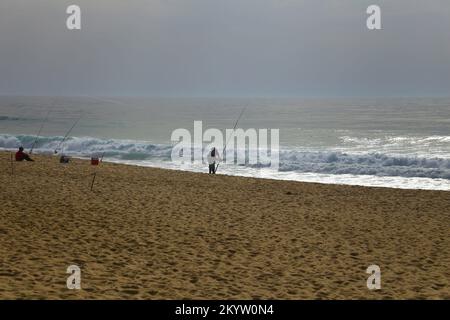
(20, 156)
(94, 161)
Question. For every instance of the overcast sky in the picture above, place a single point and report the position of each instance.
(225, 48)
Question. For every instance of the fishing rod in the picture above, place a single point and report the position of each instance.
(228, 139)
(67, 134)
(40, 129)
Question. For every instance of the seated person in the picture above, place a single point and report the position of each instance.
(20, 155)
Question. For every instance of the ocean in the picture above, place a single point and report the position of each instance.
(385, 142)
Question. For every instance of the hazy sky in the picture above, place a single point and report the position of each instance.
(225, 47)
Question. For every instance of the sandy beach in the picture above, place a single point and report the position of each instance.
(146, 233)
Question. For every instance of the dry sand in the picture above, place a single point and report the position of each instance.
(147, 233)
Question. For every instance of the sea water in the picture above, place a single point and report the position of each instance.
(386, 142)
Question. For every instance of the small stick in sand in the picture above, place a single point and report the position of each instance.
(12, 164)
(93, 180)
(95, 172)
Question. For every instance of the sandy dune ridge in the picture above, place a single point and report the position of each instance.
(147, 233)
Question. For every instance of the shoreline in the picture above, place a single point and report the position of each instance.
(371, 181)
(152, 233)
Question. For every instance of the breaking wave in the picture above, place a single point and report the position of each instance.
(328, 162)
(87, 146)
(376, 164)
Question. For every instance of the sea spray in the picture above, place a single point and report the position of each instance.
(291, 160)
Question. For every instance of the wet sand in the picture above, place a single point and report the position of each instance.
(146, 233)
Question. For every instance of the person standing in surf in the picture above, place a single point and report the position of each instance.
(213, 157)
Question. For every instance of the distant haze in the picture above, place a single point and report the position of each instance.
(225, 48)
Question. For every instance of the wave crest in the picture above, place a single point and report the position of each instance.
(330, 162)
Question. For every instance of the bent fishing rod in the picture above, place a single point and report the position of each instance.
(228, 139)
(67, 134)
(40, 129)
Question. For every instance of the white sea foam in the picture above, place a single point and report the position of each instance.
(366, 169)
